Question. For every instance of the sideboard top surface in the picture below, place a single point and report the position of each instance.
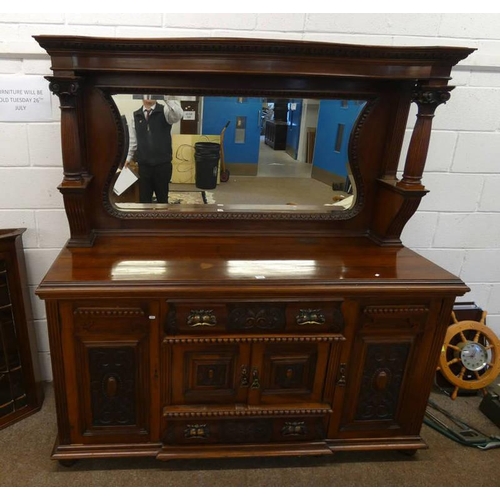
(200, 264)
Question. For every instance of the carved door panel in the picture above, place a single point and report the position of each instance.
(288, 372)
(113, 365)
(214, 374)
(383, 358)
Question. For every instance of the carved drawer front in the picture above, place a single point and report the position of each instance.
(209, 374)
(110, 317)
(404, 318)
(244, 430)
(253, 317)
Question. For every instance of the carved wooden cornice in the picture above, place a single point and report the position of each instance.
(245, 46)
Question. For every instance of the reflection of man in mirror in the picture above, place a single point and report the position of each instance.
(150, 144)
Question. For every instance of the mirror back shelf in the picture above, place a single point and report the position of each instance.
(94, 76)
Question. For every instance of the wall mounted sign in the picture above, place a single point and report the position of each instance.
(24, 99)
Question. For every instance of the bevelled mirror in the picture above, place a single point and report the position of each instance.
(272, 154)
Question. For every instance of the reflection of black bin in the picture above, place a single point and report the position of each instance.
(207, 155)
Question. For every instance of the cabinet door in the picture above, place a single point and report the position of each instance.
(390, 343)
(209, 374)
(112, 367)
(288, 372)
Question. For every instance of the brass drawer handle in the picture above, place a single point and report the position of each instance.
(310, 317)
(294, 429)
(341, 380)
(244, 382)
(196, 431)
(255, 379)
(201, 317)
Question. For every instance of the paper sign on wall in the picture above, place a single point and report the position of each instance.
(24, 99)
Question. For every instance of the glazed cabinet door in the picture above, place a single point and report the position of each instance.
(389, 373)
(110, 360)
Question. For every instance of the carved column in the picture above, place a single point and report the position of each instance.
(427, 99)
(76, 177)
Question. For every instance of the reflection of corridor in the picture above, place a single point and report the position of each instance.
(280, 164)
(280, 180)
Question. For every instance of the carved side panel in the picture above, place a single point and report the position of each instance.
(113, 385)
(381, 381)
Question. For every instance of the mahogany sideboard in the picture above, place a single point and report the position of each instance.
(205, 331)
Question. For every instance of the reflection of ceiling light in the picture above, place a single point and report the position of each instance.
(270, 268)
(138, 268)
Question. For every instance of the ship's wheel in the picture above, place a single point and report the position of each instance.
(470, 357)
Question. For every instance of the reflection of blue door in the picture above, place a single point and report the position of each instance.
(242, 137)
(335, 122)
(293, 132)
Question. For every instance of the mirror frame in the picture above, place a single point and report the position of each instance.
(87, 71)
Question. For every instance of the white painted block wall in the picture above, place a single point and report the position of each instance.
(458, 222)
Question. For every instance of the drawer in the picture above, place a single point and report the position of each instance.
(253, 317)
(245, 430)
(111, 317)
(316, 316)
(393, 317)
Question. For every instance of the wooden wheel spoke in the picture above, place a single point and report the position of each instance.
(453, 347)
(463, 337)
(453, 361)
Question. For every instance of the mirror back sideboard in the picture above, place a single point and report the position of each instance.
(193, 332)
